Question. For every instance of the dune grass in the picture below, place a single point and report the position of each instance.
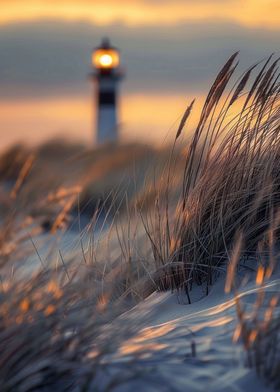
(258, 322)
(258, 330)
(231, 178)
(54, 324)
(56, 334)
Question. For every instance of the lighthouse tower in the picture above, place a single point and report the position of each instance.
(106, 75)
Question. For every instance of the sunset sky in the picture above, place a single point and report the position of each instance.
(170, 49)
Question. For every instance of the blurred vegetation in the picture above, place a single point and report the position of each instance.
(106, 176)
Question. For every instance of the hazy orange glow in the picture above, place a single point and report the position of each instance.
(74, 118)
(38, 120)
(261, 13)
(105, 58)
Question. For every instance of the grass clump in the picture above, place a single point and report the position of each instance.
(258, 324)
(230, 180)
(56, 335)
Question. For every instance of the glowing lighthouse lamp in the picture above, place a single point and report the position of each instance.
(107, 74)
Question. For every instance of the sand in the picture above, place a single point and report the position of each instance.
(180, 346)
(188, 347)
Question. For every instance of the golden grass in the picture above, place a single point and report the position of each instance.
(206, 204)
(230, 182)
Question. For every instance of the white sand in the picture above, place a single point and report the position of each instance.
(164, 344)
(181, 347)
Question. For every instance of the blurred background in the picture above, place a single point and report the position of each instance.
(171, 50)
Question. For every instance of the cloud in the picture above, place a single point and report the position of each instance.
(53, 57)
(145, 12)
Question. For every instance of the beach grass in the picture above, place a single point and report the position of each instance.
(204, 205)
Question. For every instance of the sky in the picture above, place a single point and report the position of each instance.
(170, 50)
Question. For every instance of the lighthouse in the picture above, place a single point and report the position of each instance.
(106, 75)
